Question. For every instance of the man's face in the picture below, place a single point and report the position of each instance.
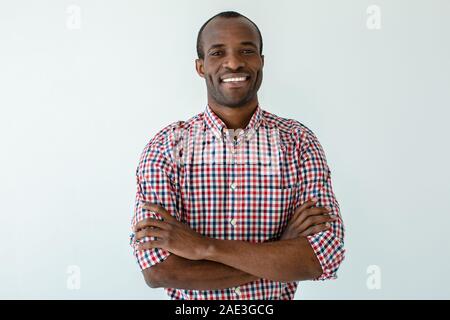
(232, 65)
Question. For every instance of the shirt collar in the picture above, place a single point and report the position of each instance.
(218, 126)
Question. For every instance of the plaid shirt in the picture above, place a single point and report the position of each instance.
(242, 185)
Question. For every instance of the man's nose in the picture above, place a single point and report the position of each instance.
(233, 62)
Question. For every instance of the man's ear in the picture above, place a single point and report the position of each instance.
(199, 67)
(262, 58)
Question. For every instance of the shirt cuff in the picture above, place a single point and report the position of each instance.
(149, 257)
(330, 254)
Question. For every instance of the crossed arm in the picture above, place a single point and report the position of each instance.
(178, 272)
(203, 263)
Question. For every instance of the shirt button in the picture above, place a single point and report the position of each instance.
(233, 222)
(233, 186)
(237, 291)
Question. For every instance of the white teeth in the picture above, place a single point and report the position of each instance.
(234, 79)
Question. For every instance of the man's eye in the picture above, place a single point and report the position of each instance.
(248, 51)
(216, 53)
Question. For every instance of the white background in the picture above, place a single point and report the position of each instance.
(79, 105)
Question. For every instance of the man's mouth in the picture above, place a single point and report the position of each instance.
(234, 80)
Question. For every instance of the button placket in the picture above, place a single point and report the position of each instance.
(232, 220)
(234, 151)
(233, 186)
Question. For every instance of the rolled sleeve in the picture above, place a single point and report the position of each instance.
(315, 182)
(329, 251)
(149, 257)
(154, 177)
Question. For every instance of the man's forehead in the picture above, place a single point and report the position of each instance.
(221, 30)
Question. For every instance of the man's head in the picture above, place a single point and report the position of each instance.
(229, 48)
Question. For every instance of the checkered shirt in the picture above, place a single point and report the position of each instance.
(241, 185)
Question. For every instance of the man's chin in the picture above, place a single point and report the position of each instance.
(235, 104)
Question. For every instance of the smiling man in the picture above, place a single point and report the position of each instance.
(236, 202)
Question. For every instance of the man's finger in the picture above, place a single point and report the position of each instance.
(152, 207)
(149, 245)
(307, 204)
(150, 222)
(314, 211)
(158, 209)
(303, 215)
(149, 232)
(314, 220)
(316, 229)
(304, 206)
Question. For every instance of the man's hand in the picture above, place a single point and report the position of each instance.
(171, 235)
(308, 220)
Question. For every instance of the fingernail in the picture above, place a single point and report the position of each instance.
(314, 199)
(327, 224)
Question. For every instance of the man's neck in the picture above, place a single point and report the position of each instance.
(236, 117)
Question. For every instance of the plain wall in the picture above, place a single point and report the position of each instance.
(78, 105)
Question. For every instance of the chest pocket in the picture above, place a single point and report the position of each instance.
(266, 214)
(278, 165)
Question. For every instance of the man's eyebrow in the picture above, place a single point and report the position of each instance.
(217, 45)
(244, 43)
(249, 43)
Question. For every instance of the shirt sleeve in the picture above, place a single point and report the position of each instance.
(155, 184)
(315, 181)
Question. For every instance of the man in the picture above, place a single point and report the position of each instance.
(236, 202)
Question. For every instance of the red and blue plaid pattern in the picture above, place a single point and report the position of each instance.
(241, 185)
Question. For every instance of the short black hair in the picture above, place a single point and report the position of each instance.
(225, 14)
